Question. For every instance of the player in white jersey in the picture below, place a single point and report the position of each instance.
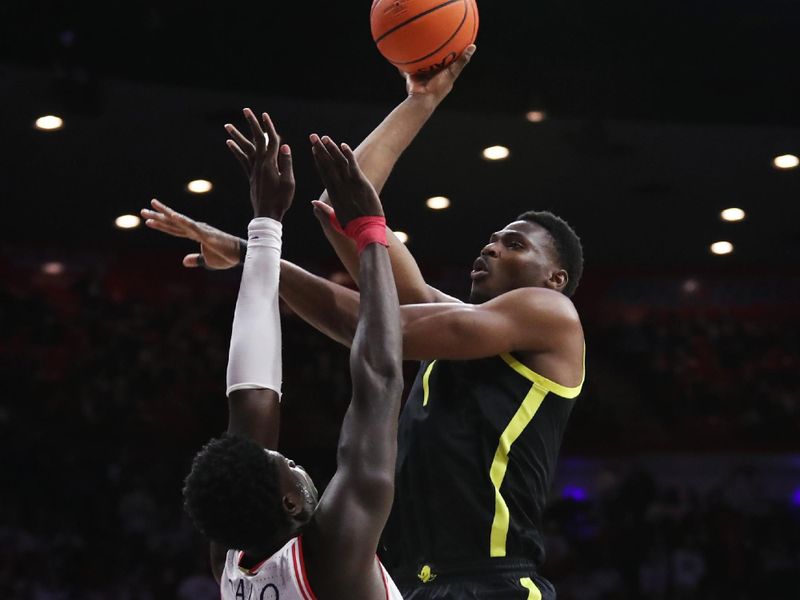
(271, 536)
(282, 576)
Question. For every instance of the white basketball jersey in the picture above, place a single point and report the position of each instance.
(280, 577)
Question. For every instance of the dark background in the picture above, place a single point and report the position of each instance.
(680, 473)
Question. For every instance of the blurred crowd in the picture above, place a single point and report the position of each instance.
(644, 538)
(113, 378)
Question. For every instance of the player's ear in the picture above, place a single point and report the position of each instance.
(558, 280)
(290, 505)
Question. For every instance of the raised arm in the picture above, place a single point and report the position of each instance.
(353, 511)
(377, 156)
(254, 362)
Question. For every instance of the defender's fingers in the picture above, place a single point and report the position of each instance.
(273, 139)
(244, 144)
(348, 154)
(339, 159)
(259, 140)
(239, 156)
(322, 158)
(285, 164)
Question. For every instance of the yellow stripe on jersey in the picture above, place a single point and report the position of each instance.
(425, 376)
(531, 403)
(533, 591)
(544, 382)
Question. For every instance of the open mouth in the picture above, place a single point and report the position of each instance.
(479, 269)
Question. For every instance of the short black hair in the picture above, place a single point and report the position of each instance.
(232, 493)
(567, 243)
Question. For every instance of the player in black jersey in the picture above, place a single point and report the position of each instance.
(480, 432)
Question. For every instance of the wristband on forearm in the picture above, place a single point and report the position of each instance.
(367, 230)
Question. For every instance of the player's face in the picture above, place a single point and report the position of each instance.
(522, 254)
(297, 482)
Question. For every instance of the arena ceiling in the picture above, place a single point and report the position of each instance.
(659, 115)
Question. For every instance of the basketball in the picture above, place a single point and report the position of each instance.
(423, 36)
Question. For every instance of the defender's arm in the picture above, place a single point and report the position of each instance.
(353, 510)
(255, 362)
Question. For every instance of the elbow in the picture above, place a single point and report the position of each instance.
(378, 361)
(416, 295)
(384, 378)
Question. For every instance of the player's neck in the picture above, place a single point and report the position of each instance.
(254, 556)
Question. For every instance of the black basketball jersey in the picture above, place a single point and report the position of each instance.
(478, 442)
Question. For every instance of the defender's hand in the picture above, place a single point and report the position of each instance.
(350, 192)
(218, 250)
(438, 84)
(267, 164)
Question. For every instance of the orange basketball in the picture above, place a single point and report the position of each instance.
(420, 36)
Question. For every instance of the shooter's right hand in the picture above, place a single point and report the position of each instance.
(438, 84)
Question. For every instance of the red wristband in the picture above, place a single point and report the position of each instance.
(367, 230)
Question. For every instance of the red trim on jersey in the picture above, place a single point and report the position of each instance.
(303, 567)
(297, 573)
(254, 569)
(383, 575)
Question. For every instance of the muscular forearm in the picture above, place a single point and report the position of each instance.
(380, 150)
(377, 155)
(326, 306)
(377, 344)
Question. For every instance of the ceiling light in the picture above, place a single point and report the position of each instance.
(199, 186)
(535, 116)
(438, 203)
(127, 221)
(402, 236)
(496, 153)
(786, 161)
(49, 123)
(53, 268)
(732, 214)
(690, 286)
(721, 248)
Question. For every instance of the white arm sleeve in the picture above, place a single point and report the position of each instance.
(254, 359)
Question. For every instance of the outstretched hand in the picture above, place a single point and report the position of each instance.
(438, 84)
(267, 164)
(351, 194)
(218, 250)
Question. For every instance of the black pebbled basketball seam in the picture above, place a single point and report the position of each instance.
(420, 15)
